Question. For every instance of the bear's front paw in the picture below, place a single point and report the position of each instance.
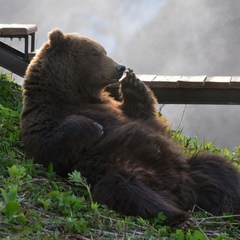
(133, 87)
(131, 81)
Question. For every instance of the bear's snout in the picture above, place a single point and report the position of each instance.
(120, 68)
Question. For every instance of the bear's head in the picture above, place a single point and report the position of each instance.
(75, 63)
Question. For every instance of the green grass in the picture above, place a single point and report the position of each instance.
(35, 203)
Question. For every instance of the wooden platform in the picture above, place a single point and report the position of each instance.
(192, 82)
(20, 31)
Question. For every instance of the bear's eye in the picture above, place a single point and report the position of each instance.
(95, 53)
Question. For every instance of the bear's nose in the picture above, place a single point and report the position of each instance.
(120, 68)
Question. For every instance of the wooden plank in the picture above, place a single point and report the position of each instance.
(147, 79)
(12, 62)
(17, 29)
(197, 96)
(165, 82)
(235, 82)
(190, 95)
(217, 82)
(178, 82)
(191, 81)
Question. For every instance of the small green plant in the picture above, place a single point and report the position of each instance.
(10, 194)
(16, 173)
(76, 178)
(11, 204)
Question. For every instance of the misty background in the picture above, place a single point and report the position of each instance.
(162, 37)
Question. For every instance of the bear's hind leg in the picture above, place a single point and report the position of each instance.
(217, 183)
(125, 194)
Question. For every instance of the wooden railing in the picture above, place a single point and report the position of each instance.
(10, 58)
(192, 89)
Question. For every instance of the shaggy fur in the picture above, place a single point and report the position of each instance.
(122, 148)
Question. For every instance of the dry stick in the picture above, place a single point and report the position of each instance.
(185, 107)
(218, 217)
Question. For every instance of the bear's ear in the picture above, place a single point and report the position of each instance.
(57, 38)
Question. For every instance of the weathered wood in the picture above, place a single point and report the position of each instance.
(165, 82)
(217, 82)
(147, 79)
(235, 82)
(230, 96)
(191, 81)
(12, 61)
(17, 29)
(191, 89)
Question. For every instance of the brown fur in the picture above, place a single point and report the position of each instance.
(121, 147)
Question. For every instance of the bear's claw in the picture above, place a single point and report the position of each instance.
(184, 225)
(100, 127)
(128, 70)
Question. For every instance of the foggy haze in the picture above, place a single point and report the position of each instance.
(171, 37)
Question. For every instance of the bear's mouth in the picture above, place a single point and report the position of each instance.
(112, 81)
(116, 78)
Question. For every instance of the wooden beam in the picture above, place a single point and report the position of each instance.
(8, 30)
(191, 89)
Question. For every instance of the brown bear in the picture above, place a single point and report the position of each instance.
(121, 147)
